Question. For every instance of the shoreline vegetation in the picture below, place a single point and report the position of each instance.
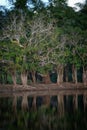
(43, 43)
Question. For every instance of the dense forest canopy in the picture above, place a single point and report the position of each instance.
(38, 39)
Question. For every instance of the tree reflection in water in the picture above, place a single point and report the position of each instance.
(49, 113)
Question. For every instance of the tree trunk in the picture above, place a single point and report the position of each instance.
(85, 76)
(33, 76)
(24, 74)
(60, 74)
(66, 73)
(74, 74)
(24, 78)
(46, 79)
(13, 74)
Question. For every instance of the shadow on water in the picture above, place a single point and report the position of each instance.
(57, 112)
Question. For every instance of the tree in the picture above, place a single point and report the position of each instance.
(28, 36)
(56, 53)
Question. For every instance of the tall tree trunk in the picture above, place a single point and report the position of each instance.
(60, 74)
(13, 74)
(33, 76)
(24, 74)
(66, 73)
(24, 78)
(74, 74)
(46, 78)
(85, 76)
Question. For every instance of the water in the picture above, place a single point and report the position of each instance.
(60, 111)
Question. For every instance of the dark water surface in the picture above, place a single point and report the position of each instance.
(49, 112)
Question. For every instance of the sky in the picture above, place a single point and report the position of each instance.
(70, 2)
(3, 2)
(73, 2)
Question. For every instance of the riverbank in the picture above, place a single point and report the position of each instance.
(42, 87)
